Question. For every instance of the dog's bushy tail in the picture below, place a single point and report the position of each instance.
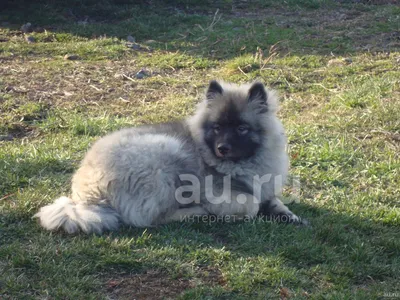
(72, 217)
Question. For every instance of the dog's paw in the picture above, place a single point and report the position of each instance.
(296, 220)
(290, 218)
(276, 211)
(304, 222)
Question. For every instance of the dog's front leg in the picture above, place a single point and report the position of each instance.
(239, 204)
(275, 209)
(184, 214)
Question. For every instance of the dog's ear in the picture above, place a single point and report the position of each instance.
(258, 97)
(214, 90)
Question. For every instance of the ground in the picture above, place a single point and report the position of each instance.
(72, 76)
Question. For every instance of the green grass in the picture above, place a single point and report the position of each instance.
(336, 67)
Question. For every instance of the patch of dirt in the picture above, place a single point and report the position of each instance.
(77, 84)
(151, 285)
(17, 130)
(211, 276)
(155, 284)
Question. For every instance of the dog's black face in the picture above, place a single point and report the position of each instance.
(232, 129)
(230, 140)
(229, 136)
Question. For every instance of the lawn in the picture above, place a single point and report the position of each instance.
(74, 75)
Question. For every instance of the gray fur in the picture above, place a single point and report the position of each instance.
(131, 175)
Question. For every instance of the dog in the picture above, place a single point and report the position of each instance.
(224, 160)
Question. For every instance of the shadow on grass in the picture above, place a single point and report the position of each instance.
(334, 239)
(196, 28)
(346, 249)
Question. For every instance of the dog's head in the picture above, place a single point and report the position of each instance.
(233, 119)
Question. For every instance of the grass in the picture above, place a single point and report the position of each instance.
(336, 67)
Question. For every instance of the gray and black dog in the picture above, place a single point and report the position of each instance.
(233, 147)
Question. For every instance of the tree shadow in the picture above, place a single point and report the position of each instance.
(233, 31)
(343, 247)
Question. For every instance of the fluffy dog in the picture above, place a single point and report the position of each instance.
(233, 147)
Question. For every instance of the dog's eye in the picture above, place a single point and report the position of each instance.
(216, 128)
(242, 130)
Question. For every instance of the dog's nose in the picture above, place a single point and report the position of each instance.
(224, 148)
